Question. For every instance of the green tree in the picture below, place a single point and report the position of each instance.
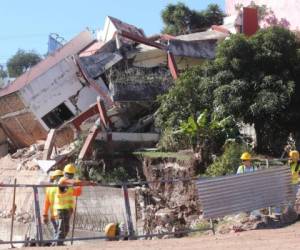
(179, 19)
(229, 161)
(186, 98)
(264, 71)
(21, 62)
(3, 73)
(255, 80)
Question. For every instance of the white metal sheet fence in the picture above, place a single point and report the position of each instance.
(246, 192)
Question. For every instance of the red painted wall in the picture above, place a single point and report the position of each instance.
(250, 21)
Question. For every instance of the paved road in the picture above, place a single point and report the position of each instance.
(281, 239)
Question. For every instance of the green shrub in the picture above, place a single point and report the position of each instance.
(118, 174)
(229, 161)
(172, 142)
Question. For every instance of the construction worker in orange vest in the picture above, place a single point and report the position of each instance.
(64, 202)
(49, 199)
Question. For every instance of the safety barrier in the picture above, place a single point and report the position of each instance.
(102, 204)
(246, 192)
(97, 206)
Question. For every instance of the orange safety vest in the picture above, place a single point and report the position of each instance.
(49, 201)
(63, 200)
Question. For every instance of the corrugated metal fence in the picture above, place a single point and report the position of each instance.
(246, 192)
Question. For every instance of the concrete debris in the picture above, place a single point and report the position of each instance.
(167, 207)
(106, 90)
(123, 67)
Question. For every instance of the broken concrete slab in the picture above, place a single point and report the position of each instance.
(49, 144)
(97, 64)
(129, 137)
(195, 49)
(46, 165)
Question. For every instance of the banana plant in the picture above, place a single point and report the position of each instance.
(207, 128)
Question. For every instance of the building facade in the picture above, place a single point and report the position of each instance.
(283, 9)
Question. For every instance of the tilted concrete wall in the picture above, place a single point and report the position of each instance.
(56, 86)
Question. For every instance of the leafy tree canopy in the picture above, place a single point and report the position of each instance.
(3, 73)
(263, 80)
(21, 62)
(255, 80)
(179, 19)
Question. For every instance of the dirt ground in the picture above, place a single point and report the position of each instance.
(285, 238)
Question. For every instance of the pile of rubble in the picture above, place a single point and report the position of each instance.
(21, 217)
(27, 157)
(170, 206)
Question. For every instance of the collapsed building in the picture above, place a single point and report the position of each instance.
(105, 89)
(126, 69)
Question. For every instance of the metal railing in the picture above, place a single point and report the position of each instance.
(98, 205)
(104, 203)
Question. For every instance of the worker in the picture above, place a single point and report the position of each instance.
(294, 166)
(116, 231)
(64, 202)
(247, 166)
(49, 199)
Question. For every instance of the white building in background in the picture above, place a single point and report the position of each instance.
(283, 9)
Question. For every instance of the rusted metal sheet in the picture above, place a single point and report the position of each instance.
(246, 192)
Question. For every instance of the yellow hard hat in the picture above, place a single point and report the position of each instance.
(246, 156)
(294, 155)
(110, 230)
(58, 173)
(70, 169)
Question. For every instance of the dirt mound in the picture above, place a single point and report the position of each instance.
(167, 206)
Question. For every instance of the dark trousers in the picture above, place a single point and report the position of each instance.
(63, 225)
(55, 227)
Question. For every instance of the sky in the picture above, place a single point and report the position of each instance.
(26, 24)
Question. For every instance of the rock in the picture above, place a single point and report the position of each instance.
(32, 165)
(237, 228)
(165, 216)
(259, 225)
(40, 144)
(19, 153)
(289, 216)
